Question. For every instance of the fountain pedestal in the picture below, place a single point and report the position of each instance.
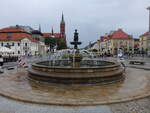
(75, 59)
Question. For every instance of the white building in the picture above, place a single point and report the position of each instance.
(21, 41)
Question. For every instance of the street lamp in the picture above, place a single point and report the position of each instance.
(148, 39)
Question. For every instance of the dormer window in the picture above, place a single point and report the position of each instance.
(9, 36)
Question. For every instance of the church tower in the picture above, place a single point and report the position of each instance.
(62, 27)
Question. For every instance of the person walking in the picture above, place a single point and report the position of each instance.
(1, 63)
(1, 60)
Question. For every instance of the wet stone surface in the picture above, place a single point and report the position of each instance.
(17, 86)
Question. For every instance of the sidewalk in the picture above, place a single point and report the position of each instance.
(10, 64)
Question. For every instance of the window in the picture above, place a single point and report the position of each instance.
(18, 44)
(121, 43)
(18, 52)
(8, 45)
(2, 44)
(26, 44)
(12, 43)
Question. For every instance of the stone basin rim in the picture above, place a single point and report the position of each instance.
(115, 64)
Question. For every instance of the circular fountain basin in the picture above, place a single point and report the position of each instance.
(103, 73)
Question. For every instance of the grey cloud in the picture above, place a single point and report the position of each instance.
(91, 17)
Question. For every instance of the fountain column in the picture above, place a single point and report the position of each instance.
(76, 57)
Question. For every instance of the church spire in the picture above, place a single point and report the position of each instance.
(52, 31)
(62, 19)
(62, 27)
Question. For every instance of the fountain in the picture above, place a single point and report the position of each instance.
(76, 70)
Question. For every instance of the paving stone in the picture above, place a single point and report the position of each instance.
(136, 106)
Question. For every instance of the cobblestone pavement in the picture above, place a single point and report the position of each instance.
(136, 106)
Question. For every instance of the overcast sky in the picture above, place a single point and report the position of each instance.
(92, 18)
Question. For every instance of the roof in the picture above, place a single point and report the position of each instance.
(12, 29)
(16, 33)
(56, 35)
(37, 32)
(17, 28)
(15, 36)
(118, 34)
(145, 34)
(103, 38)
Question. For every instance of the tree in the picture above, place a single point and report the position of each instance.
(50, 41)
(61, 44)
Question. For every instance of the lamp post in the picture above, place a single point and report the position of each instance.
(148, 39)
(149, 17)
(98, 42)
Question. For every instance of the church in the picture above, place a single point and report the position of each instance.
(59, 36)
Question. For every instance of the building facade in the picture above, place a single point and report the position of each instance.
(115, 40)
(22, 40)
(144, 42)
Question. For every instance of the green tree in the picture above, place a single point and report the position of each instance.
(61, 44)
(50, 41)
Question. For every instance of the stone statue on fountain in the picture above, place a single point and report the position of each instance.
(77, 57)
(76, 40)
(76, 36)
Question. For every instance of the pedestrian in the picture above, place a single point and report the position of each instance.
(1, 64)
(1, 61)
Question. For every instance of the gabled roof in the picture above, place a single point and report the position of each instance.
(118, 34)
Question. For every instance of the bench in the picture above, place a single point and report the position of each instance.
(136, 62)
